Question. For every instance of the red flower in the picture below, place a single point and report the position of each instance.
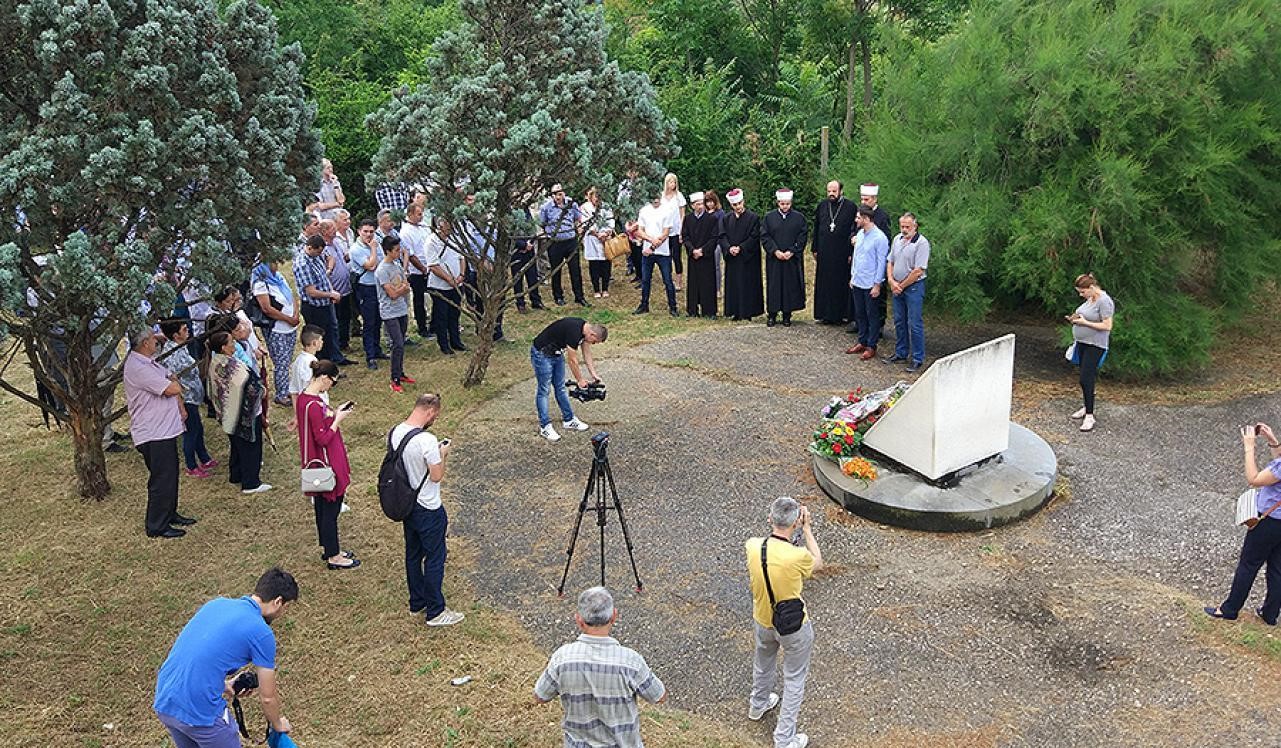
(849, 439)
(836, 448)
(822, 436)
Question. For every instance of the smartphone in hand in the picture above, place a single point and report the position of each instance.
(444, 442)
(348, 405)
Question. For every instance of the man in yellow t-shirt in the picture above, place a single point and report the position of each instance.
(788, 567)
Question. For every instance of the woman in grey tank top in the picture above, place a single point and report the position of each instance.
(1091, 330)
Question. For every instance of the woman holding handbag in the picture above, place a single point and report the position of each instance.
(1262, 540)
(324, 460)
(237, 394)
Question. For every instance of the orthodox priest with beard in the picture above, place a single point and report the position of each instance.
(741, 251)
(783, 235)
(833, 227)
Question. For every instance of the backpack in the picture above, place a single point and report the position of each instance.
(395, 493)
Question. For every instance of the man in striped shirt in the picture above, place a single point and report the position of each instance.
(598, 680)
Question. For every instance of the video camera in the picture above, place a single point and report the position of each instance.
(593, 391)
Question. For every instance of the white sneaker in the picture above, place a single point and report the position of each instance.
(447, 617)
(1079, 414)
(549, 433)
(262, 488)
(1088, 423)
(799, 740)
(755, 714)
(345, 508)
(574, 424)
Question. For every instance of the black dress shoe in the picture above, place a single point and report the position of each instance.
(1259, 612)
(770, 322)
(382, 357)
(787, 322)
(115, 448)
(460, 347)
(355, 562)
(344, 361)
(371, 365)
(894, 359)
(537, 306)
(583, 303)
(641, 310)
(178, 519)
(171, 532)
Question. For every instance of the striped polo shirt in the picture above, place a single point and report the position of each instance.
(598, 680)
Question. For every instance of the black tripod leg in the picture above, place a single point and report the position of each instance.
(573, 537)
(622, 522)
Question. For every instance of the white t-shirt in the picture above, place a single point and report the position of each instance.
(593, 248)
(284, 298)
(420, 453)
(674, 205)
(653, 221)
(413, 239)
(300, 372)
(440, 253)
(252, 340)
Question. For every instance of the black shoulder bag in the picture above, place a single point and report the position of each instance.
(789, 615)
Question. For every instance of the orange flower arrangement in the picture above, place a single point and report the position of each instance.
(860, 468)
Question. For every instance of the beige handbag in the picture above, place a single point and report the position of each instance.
(616, 246)
(317, 477)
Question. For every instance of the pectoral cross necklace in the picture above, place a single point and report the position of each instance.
(832, 214)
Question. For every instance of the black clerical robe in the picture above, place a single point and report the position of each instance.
(833, 226)
(744, 297)
(784, 279)
(700, 233)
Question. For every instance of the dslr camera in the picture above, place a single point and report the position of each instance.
(593, 391)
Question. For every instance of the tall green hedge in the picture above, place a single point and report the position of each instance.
(1136, 139)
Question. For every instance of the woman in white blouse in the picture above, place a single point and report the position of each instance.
(674, 202)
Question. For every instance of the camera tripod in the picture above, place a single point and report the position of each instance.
(600, 478)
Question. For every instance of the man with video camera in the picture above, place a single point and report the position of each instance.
(549, 369)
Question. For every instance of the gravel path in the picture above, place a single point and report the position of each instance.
(1078, 627)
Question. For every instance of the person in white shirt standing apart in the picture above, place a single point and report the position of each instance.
(674, 203)
(426, 525)
(598, 680)
(654, 226)
(598, 227)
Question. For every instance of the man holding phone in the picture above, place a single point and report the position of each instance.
(426, 525)
(557, 343)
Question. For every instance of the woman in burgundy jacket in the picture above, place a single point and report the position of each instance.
(320, 441)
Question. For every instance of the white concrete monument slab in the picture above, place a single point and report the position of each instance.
(956, 414)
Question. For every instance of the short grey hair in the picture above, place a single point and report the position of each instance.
(342, 212)
(783, 511)
(138, 337)
(595, 606)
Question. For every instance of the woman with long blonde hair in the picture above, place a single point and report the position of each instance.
(674, 202)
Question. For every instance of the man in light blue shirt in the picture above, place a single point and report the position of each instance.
(867, 273)
(365, 256)
(559, 218)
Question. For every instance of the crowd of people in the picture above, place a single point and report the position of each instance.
(367, 283)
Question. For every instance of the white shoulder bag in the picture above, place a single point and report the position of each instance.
(317, 476)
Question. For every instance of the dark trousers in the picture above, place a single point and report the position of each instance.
(327, 524)
(193, 439)
(161, 458)
(1089, 356)
(867, 315)
(396, 329)
(367, 299)
(342, 311)
(425, 559)
(600, 270)
(418, 284)
(566, 251)
(634, 259)
(525, 271)
(444, 318)
(700, 286)
(324, 318)
(245, 462)
(647, 273)
(1262, 546)
(674, 246)
(477, 301)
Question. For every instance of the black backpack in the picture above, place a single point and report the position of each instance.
(395, 493)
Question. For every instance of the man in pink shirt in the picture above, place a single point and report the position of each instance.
(156, 416)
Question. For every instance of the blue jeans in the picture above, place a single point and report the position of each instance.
(425, 559)
(867, 315)
(909, 325)
(326, 319)
(647, 272)
(550, 372)
(193, 439)
(367, 298)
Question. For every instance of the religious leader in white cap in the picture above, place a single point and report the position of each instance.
(741, 250)
(784, 235)
(700, 232)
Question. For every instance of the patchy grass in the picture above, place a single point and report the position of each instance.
(1248, 633)
(89, 606)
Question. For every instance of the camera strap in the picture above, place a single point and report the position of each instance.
(240, 716)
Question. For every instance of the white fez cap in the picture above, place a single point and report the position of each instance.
(556, 188)
(870, 189)
(695, 197)
(783, 195)
(735, 196)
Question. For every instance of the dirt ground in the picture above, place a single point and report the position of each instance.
(1078, 627)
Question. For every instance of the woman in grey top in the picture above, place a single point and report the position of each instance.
(1091, 328)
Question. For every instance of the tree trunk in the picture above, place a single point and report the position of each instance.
(479, 364)
(847, 129)
(90, 461)
(866, 49)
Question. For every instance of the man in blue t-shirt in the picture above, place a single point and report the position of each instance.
(194, 684)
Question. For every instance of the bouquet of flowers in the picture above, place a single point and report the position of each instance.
(858, 467)
(836, 439)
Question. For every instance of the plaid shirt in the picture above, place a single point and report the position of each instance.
(392, 196)
(310, 271)
(598, 680)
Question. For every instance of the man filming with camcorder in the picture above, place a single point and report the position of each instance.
(558, 343)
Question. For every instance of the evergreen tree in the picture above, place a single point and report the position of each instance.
(521, 95)
(136, 140)
(1135, 139)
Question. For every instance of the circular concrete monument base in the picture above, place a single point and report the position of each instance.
(1009, 487)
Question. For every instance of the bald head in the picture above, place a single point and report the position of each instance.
(834, 189)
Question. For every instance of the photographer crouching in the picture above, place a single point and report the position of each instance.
(549, 368)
